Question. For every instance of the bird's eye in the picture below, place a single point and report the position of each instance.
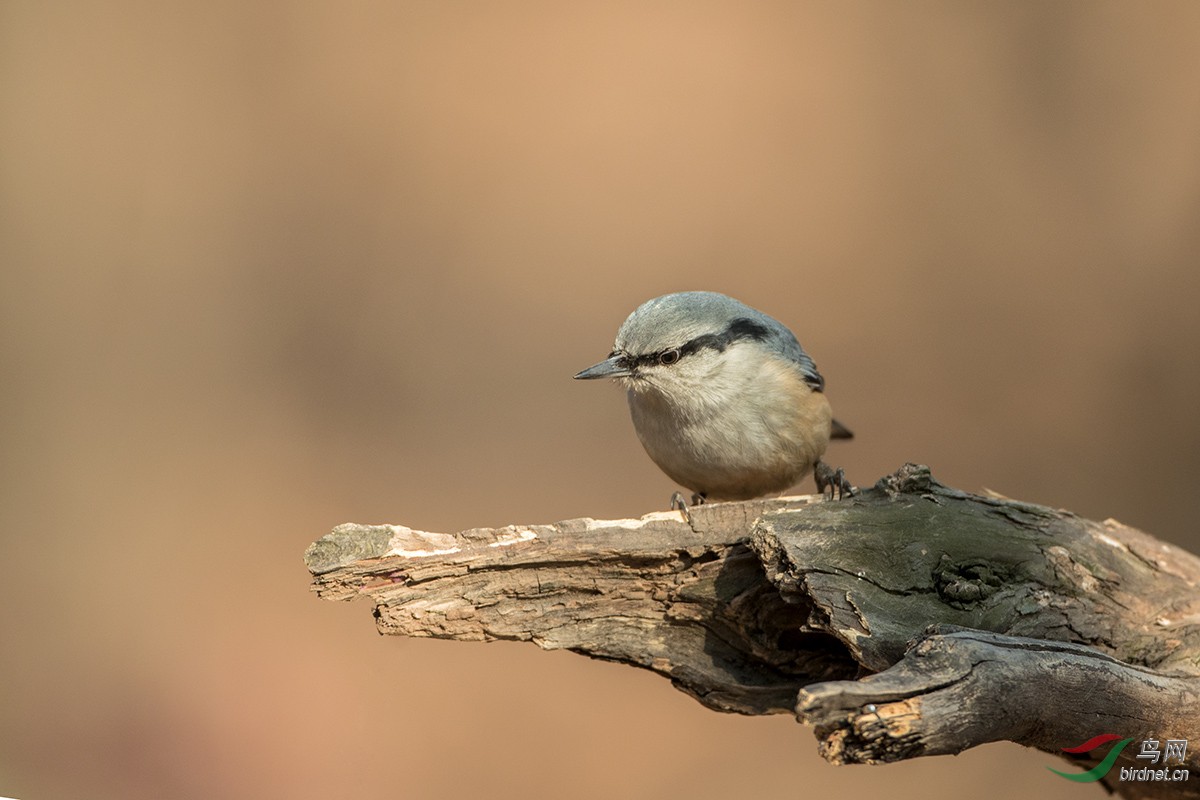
(668, 357)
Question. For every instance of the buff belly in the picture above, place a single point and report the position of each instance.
(738, 450)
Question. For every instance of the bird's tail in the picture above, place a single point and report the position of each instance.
(839, 431)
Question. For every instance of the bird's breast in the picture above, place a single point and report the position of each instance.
(754, 439)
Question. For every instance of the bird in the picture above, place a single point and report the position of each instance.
(723, 398)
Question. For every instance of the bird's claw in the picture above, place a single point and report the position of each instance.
(681, 505)
(833, 480)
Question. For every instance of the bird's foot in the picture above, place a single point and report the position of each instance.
(681, 505)
(833, 480)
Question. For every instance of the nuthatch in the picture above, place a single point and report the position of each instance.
(723, 398)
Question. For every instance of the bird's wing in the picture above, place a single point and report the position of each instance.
(792, 349)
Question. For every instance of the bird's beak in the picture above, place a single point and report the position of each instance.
(611, 367)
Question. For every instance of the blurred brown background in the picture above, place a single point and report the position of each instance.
(269, 267)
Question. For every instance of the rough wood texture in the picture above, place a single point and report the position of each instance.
(913, 619)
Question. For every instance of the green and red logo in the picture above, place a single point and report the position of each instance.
(1100, 770)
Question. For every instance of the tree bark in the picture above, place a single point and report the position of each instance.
(912, 619)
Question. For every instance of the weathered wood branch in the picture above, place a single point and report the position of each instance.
(913, 619)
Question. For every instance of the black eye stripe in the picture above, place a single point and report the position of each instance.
(739, 329)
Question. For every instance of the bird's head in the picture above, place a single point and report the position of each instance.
(684, 344)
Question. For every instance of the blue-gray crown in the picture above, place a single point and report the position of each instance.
(688, 322)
